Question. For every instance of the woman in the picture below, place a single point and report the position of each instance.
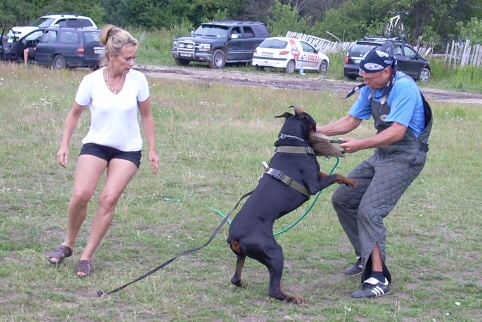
(114, 94)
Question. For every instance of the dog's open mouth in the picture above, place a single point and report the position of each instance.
(323, 146)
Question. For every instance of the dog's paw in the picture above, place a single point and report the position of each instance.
(296, 300)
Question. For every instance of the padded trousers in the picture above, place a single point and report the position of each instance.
(382, 180)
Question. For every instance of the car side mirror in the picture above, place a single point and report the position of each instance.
(234, 36)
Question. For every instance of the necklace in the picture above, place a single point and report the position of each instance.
(107, 82)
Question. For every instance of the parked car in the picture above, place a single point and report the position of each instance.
(219, 43)
(409, 61)
(73, 21)
(69, 47)
(290, 54)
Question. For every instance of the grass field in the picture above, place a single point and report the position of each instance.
(212, 140)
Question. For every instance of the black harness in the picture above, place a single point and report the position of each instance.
(277, 174)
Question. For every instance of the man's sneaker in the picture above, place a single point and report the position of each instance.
(355, 269)
(372, 288)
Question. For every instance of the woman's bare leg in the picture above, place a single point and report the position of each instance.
(88, 171)
(119, 174)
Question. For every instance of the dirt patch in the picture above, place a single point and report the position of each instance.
(295, 81)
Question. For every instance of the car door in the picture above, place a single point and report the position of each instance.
(9, 44)
(46, 47)
(414, 61)
(235, 47)
(407, 60)
(13, 47)
(250, 43)
(309, 56)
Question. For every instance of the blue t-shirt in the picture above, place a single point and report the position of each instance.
(405, 101)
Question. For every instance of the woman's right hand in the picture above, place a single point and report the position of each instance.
(63, 156)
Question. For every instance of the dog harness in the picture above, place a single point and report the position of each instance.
(277, 174)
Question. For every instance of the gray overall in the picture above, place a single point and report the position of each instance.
(382, 179)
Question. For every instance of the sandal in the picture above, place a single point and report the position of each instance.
(60, 253)
(84, 268)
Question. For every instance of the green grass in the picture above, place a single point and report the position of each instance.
(212, 140)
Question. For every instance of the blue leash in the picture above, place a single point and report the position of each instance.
(301, 217)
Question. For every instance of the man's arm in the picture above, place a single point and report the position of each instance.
(388, 136)
(342, 126)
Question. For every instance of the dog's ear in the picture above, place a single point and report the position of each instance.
(298, 111)
(285, 115)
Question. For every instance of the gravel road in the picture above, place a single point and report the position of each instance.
(295, 81)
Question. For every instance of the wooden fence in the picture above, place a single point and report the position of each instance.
(321, 44)
(462, 54)
(456, 55)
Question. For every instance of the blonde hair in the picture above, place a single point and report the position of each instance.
(114, 40)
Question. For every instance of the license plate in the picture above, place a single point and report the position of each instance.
(268, 54)
(98, 50)
(185, 55)
(356, 61)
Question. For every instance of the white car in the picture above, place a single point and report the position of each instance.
(290, 54)
(74, 21)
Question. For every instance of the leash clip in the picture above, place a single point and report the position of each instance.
(265, 166)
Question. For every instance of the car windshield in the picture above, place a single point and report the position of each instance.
(42, 22)
(34, 35)
(273, 43)
(362, 48)
(211, 31)
(92, 36)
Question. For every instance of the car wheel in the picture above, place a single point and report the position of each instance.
(219, 59)
(59, 62)
(290, 67)
(323, 67)
(424, 74)
(181, 62)
(260, 68)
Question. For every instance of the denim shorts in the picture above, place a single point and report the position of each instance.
(107, 153)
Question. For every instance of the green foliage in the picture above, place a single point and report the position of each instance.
(465, 79)
(355, 19)
(435, 21)
(284, 17)
(471, 30)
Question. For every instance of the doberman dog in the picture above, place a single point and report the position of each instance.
(293, 175)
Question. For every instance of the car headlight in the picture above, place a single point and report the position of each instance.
(203, 47)
(174, 44)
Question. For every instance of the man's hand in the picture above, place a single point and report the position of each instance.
(350, 145)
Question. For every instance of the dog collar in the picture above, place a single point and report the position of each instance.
(284, 136)
(294, 149)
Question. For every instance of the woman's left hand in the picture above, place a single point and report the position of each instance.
(153, 161)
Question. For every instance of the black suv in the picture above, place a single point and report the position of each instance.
(220, 42)
(409, 61)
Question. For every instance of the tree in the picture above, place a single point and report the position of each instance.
(283, 17)
(431, 19)
(471, 30)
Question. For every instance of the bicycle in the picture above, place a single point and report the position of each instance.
(394, 27)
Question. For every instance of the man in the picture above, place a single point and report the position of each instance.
(29, 51)
(403, 121)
